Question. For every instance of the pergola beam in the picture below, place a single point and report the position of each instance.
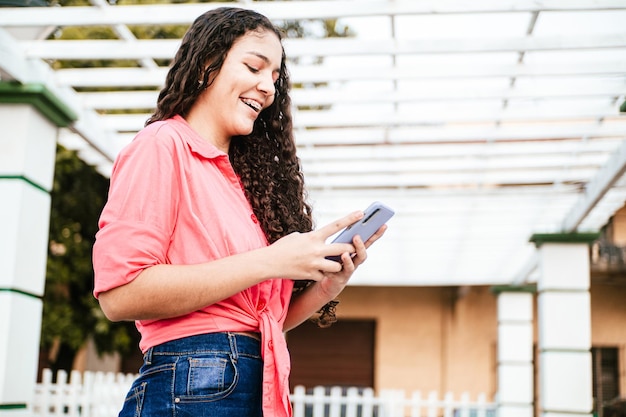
(14, 65)
(429, 118)
(338, 119)
(327, 96)
(24, 70)
(464, 138)
(595, 190)
(142, 77)
(285, 10)
(502, 165)
(451, 179)
(427, 152)
(328, 47)
(549, 131)
(611, 171)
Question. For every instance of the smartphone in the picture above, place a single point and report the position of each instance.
(374, 217)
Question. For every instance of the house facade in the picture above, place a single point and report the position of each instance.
(446, 338)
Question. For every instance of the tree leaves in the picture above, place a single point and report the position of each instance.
(71, 314)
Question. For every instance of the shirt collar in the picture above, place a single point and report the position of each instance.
(196, 143)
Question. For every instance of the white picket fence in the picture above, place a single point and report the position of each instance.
(88, 394)
(355, 402)
(97, 394)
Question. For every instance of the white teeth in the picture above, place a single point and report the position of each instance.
(255, 105)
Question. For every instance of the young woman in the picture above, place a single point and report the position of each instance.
(206, 229)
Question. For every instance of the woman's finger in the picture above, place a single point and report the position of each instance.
(339, 224)
(379, 233)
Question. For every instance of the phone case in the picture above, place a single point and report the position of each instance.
(374, 217)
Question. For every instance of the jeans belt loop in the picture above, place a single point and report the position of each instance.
(232, 339)
(147, 357)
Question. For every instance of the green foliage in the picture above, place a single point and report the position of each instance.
(70, 312)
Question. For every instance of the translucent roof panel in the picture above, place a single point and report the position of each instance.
(481, 123)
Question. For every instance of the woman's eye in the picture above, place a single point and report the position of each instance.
(252, 69)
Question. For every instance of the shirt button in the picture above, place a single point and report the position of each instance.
(254, 219)
(270, 345)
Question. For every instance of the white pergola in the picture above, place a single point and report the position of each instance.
(480, 122)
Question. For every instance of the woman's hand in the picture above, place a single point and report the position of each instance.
(334, 282)
(331, 276)
(304, 255)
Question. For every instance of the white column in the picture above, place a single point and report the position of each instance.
(27, 155)
(564, 325)
(515, 351)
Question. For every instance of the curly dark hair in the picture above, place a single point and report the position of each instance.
(266, 159)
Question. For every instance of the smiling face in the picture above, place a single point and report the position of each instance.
(243, 87)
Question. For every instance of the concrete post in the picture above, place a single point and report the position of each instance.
(30, 118)
(515, 351)
(564, 325)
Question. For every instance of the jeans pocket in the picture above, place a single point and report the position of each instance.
(207, 378)
(133, 403)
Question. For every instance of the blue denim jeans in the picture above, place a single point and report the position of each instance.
(213, 375)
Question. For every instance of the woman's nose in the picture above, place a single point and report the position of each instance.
(266, 85)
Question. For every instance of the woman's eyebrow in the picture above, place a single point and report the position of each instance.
(263, 57)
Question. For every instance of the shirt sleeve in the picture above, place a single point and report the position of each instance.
(138, 219)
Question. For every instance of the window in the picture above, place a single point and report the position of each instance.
(605, 379)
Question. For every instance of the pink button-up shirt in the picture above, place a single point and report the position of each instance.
(175, 199)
